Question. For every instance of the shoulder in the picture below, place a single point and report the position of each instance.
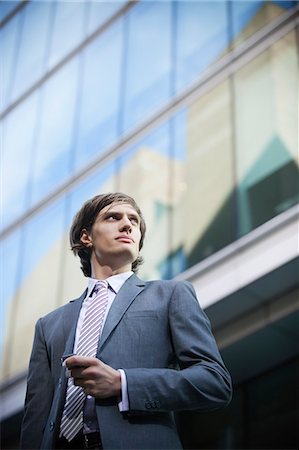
(164, 287)
(170, 285)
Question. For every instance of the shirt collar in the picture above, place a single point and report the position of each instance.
(115, 282)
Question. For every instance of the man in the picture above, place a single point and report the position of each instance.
(144, 351)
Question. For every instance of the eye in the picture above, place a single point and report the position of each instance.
(134, 220)
(111, 217)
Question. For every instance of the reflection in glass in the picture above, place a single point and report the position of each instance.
(10, 254)
(148, 60)
(54, 137)
(202, 179)
(17, 142)
(38, 279)
(144, 174)
(99, 108)
(9, 39)
(101, 181)
(7, 7)
(100, 12)
(41, 233)
(248, 17)
(266, 115)
(202, 38)
(32, 46)
(68, 29)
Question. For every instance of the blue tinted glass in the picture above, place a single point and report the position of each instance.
(179, 130)
(100, 12)
(242, 13)
(6, 7)
(99, 109)
(143, 173)
(173, 265)
(68, 29)
(156, 142)
(53, 144)
(250, 16)
(285, 3)
(101, 181)
(202, 38)
(9, 38)
(17, 144)
(9, 258)
(41, 233)
(32, 45)
(267, 161)
(178, 259)
(148, 60)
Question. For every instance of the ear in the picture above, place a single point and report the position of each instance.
(86, 238)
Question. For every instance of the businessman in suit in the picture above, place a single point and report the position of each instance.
(153, 351)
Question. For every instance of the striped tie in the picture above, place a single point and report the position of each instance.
(72, 417)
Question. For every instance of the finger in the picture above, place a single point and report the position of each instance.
(77, 373)
(80, 361)
(79, 382)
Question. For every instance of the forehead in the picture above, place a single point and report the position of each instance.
(120, 207)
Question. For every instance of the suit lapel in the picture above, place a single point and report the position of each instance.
(70, 319)
(69, 324)
(126, 295)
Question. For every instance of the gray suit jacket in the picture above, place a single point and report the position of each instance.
(158, 334)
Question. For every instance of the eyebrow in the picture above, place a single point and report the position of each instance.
(112, 211)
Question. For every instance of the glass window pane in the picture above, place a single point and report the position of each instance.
(250, 16)
(68, 29)
(144, 174)
(148, 60)
(52, 162)
(17, 143)
(9, 259)
(38, 279)
(202, 38)
(9, 39)
(202, 214)
(99, 109)
(266, 115)
(32, 46)
(100, 12)
(6, 7)
(100, 182)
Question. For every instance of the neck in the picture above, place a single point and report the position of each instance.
(103, 272)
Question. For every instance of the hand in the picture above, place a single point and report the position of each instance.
(95, 377)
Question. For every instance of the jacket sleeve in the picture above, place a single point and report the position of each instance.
(202, 381)
(39, 393)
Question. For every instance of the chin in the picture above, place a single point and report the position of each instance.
(123, 260)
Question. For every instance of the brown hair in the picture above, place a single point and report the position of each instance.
(85, 219)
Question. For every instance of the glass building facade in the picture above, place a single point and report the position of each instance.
(191, 107)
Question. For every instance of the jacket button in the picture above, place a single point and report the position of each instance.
(52, 424)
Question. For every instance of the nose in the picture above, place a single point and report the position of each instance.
(125, 224)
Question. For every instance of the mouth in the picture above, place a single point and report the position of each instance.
(125, 239)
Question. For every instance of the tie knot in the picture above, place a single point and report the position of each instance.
(100, 285)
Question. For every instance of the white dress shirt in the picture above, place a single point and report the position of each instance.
(115, 282)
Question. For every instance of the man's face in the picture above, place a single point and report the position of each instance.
(115, 236)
